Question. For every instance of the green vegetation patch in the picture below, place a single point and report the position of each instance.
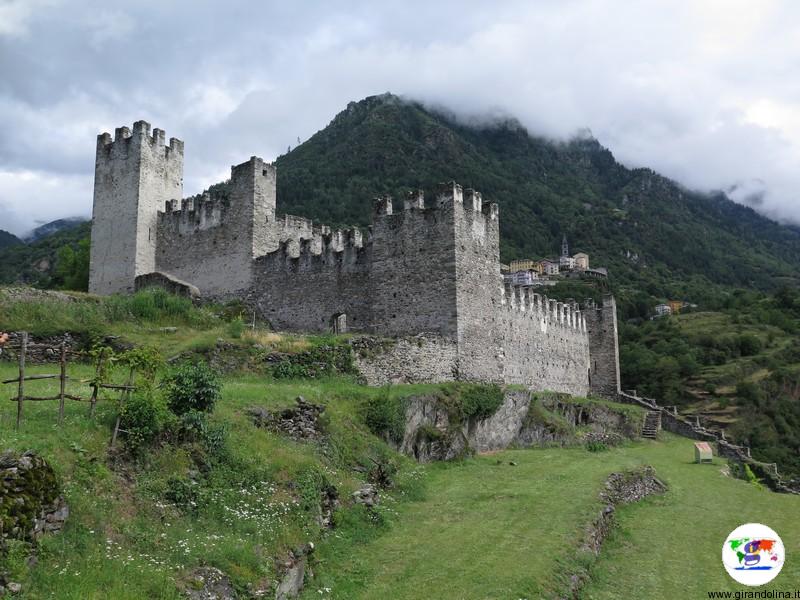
(94, 317)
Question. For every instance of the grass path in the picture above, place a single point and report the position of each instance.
(670, 547)
(499, 531)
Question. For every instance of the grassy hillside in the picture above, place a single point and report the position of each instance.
(472, 529)
(139, 525)
(219, 491)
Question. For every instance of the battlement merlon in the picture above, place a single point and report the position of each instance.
(449, 193)
(415, 200)
(382, 206)
(125, 139)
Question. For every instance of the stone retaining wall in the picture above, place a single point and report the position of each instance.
(673, 422)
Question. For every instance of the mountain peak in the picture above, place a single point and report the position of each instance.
(388, 144)
(48, 229)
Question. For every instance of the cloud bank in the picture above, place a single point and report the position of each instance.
(703, 92)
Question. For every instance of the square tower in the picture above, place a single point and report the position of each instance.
(135, 175)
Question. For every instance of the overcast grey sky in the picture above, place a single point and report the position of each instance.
(706, 92)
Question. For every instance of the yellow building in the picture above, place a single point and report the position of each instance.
(581, 261)
(675, 306)
(522, 264)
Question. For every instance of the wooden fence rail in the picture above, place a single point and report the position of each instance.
(95, 383)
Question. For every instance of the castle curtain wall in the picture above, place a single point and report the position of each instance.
(428, 273)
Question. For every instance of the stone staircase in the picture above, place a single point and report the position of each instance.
(652, 424)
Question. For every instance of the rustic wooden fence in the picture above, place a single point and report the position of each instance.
(97, 383)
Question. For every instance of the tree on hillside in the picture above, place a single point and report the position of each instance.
(72, 267)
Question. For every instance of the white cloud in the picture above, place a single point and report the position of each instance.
(16, 14)
(704, 92)
(31, 198)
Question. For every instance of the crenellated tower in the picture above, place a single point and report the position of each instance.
(604, 378)
(211, 240)
(135, 175)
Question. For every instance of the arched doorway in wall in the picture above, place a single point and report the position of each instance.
(339, 323)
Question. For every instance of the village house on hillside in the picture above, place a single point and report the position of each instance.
(542, 272)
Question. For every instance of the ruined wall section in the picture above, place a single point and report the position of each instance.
(211, 240)
(135, 175)
(328, 276)
(412, 284)
(422, 358)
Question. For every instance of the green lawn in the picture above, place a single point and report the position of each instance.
(480, 530)
(488, 530)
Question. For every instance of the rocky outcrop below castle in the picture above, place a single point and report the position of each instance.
(434, 431)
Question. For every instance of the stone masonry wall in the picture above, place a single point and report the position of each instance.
(479, 287)
(412, 280)
(603, 348)
(545, 345)
(424, 358)
(305, 292)
(211, 241)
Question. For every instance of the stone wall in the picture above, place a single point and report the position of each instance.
(306, 292)
(543, 343)
(30, 497)
(412, 279)
(423, 358)
(604, 378)
(43, 349)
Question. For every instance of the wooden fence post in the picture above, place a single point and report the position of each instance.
(97, 382)
(23, 349)
(63, 382)
(123, 400)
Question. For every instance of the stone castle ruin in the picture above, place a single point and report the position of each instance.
(426, 274)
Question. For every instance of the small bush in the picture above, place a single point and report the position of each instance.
(320, 360)
(751, 478)
(749, 345)
(385, 416)
(142, 420)
(192, 387)
(595, 446)
(236, 328)
(194, 427)
(289, 370)
(182, 493)
(481, 401)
